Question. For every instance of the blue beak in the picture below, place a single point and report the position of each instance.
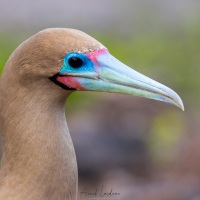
(111, 75)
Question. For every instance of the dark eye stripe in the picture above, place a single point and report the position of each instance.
(75, 62)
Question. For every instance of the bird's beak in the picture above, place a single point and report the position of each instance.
(111, 75)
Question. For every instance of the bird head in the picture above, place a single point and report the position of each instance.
(75, 61)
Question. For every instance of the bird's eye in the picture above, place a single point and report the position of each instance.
(75, 62)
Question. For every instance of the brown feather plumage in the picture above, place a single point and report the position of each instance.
(38, 160)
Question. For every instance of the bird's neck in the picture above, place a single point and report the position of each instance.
(38, 155)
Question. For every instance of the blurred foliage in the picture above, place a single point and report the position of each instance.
(8, 43)
(166, 132)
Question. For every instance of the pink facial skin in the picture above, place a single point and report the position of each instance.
(95, 54)
(70, 82)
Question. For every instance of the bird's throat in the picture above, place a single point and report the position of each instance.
(38, 155)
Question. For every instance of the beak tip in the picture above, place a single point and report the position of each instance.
(181, 106)
(172, 97)
(179, 103)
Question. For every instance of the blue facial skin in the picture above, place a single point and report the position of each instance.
(87, 66)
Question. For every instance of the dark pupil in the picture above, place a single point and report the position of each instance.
(75, 62)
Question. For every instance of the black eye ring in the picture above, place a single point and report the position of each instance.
(75, 62)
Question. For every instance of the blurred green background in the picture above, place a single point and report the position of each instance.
(123, 142)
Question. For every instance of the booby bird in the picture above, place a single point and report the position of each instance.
(39, 161)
